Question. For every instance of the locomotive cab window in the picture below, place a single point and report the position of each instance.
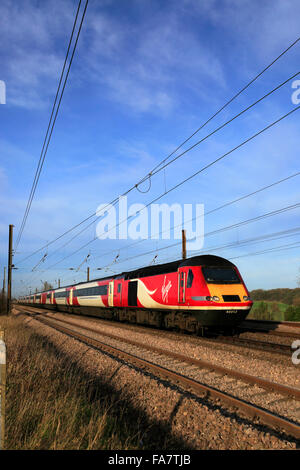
(190, 278)
(220, 275)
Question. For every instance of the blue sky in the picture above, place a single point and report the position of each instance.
(145, 76)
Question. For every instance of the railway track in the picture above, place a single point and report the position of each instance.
(272, 328)
(273, 404)
(250, 343)
(258, 345)
(273, 323)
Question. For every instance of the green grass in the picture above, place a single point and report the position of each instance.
(268, 310)
(52, 403)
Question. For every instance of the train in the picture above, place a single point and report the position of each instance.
(193, 295)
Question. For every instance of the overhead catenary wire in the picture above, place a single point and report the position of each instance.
(48, 136)
(222, 229)
(191, 176)
(185, 141)
(214, 232)
(237, 244)
(225, 124)
(229, 101)
(208, 212)
(41, 261)
(273, 249)
(212, 210)
(269, 250)
(180, 155)
(254, 240)
(84, 261)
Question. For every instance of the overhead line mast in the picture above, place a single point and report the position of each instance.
(10, 266)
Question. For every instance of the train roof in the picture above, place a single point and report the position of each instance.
(204, 260)
(165, 268)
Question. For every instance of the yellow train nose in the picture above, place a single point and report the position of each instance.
(228, 293)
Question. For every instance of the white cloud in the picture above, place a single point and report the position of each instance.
(267, 27)
(146, 67)
(33, 45)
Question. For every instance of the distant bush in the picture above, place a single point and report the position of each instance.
(292, 314)
(262, 312)
(296, 300)
(265, 310)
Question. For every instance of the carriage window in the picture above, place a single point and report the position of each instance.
(190, 278)
(89, 291)
(58, 295)
(102, 290)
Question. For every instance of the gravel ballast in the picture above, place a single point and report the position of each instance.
(199, 423)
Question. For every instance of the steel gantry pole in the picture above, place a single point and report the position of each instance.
(183, 244)
(10, 249)
(3, 290)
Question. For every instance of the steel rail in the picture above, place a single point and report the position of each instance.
(258, 345)
(273, 348)
(254, 411)
(293, 324)
(262, 330)
(267, 384)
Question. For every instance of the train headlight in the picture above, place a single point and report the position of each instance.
(215, 298)
(246, 298)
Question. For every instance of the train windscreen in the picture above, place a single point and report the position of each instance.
(220, 275)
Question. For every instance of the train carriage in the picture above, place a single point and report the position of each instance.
(200, 292)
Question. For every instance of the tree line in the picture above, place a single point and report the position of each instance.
(284, 295)
(268, 301)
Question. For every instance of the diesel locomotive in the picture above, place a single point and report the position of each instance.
(194, 294)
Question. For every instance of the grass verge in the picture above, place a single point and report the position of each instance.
(51, 403)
